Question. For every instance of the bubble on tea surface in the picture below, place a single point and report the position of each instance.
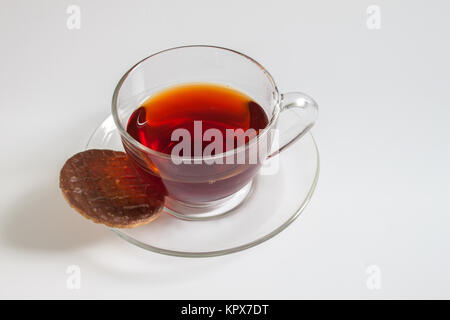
(103, 186)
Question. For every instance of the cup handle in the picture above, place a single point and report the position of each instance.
(298, 113)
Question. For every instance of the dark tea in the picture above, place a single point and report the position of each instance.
(216, 107)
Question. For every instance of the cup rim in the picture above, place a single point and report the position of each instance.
(262, 133)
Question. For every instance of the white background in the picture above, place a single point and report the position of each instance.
(383, 135)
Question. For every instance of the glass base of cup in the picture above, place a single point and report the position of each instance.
(210, 210)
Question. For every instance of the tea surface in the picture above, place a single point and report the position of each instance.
(215, 106)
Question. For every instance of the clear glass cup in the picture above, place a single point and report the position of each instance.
(193, 187)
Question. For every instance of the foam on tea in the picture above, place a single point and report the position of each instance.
(218, 107)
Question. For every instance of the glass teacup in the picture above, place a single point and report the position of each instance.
(202, 187)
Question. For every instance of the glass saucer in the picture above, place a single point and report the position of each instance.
(279, 195)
